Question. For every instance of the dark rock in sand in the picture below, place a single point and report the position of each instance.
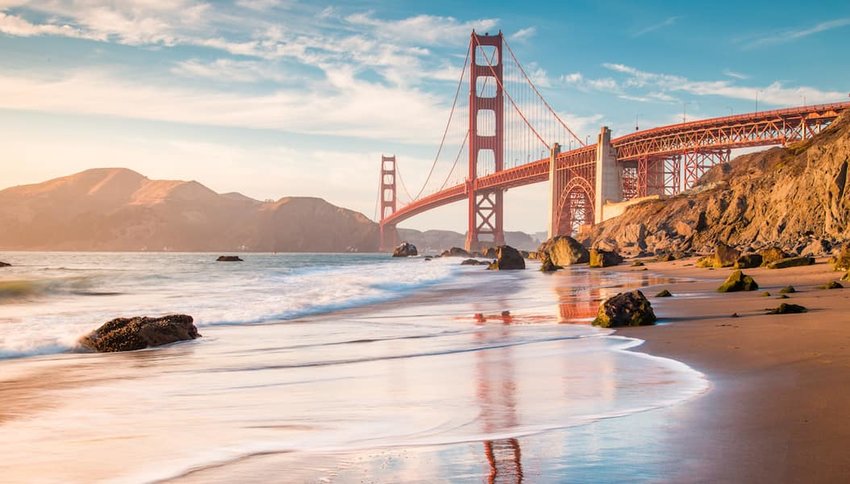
(787, 290)
(787, 308)
(428, 258)
(664, 293)
(5, 264)
(765, 294)
(405, 249)
(637, 263)
(737, 281)
(625, 309)
(791, 262)
(474, 262)
(454, 252)
(507, 258)
(564, 250)
(748, 261)
(128, 334)
(832, 285)
(601, 258)
(229, 258)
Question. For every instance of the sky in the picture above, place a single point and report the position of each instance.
(276, 98)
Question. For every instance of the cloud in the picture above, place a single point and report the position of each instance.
(644, 86)
(735, 75)
(335, 107)
(20, 27)
(796, 34)
(423, 29)
(260, 5)
(669, 21)
(523, 34)
(229, 70)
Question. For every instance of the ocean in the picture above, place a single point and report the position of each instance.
(330, 367)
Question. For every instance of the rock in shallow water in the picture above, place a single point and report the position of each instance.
(229, 258)
(5, 264)
(406, 249)
(625, 309)
(128, 334)
(507, 258)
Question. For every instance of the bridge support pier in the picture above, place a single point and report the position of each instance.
(609, 183)
(388, 233)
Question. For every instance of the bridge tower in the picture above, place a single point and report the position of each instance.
(486, 138)
(389, 235)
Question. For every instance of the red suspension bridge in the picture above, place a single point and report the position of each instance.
(512, 137)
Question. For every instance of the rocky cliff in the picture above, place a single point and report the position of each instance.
(793, 197)
(119, 209)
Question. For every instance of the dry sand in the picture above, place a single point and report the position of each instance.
(777, 408)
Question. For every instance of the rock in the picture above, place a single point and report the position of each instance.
(128, 334)
(605, 245)
(748, 261)
(229, 258)
(405, 249)
(428, 258)
(737, 281)
(791, 262)
(816, 247)
(841, 260)
(783, 296)
(625, 309)
(772, 254)
(787, 290)
(490, 252)
(664, 293)
(637, 263)
(548, 266)
(734, 315)
(724, 256)
(787, 308)
(507, 258)
(564, 250)
(533, 255)
(846, 277)
(525, 254)
(474, 262)
(5, 264)
(601, 258)
(765, 294)
(665, 257)
(454, 252)
(832, 285)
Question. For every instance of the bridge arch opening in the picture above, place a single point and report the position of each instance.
(486, 122)
(485, 55)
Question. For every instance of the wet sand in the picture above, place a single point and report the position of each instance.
(777, 409)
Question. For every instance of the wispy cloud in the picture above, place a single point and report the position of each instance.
(735, 75)
(792, 35)
(638, 85)
(423, 29)
(669, 21)
(523, 34)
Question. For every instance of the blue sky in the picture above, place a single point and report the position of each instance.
(273, 98)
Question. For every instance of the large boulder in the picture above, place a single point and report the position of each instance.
(748, 261)
(772, 254)
(625, 309)
(724, 256)
(454, 252)
(841, 260)
(128, 334)
(564, 250)
(405, 249)
(738, 281)
(507, 258)
(602, 258)
(791, 262)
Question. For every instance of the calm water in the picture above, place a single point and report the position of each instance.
(309, 363)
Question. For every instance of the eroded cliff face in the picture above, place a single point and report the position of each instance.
(792, 197)
(119, 209)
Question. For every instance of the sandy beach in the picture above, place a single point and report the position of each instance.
(776, 410)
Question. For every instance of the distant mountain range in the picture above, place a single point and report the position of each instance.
(116, 209)
(121, 210)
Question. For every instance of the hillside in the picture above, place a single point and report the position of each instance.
(791, 197)
(119, 209)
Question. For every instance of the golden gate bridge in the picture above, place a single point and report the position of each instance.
(510, 136)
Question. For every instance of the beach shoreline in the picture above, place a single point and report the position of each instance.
(775, 409)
